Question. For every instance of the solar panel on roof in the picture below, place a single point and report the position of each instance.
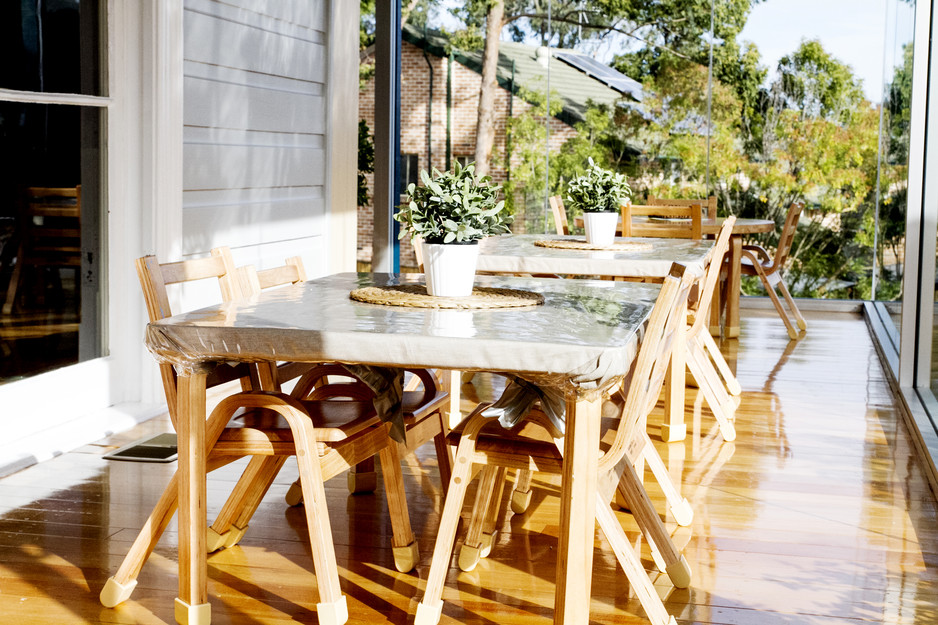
(601, 72)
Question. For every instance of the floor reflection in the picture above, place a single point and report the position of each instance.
(819, 513)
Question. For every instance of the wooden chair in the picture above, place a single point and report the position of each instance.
(424, 402)
(327, 438)
(560, 214)
(49, 237)
(679, 222)
(484, 445)
(704, 359)
(757, 262)
(709, 205)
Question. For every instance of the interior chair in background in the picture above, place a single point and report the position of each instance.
(49, 239)
(708, 205)
(677, 222)
(327, 438)
(756, 261)
(560, 214)
(485, 446)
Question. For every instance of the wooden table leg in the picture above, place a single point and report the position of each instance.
(452, 384)
(192, 606)
(577, 511)
(732, 288)
(673, 428)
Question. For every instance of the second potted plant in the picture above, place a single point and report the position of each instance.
(599, 194)
(449, 213)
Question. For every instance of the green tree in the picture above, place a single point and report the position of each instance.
(366, 161)
(818, 146)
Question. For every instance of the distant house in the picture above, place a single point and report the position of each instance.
(440, 96)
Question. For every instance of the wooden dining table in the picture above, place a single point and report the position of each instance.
(645, 259)
(727, 302)
(561, 344)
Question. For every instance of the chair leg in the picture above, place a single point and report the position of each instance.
(713, 350)
(232, 521)
(770, 289)
(802, 324)
(652, 528)
(13, 287)
(721, 404)
(403, 543)
(489, 530)
(118, 588)
(332, 608)
(431, 606)
(490, 483)
(362, 478)
(679, 506)
(444, 458)
(651, 602)
(521, 495)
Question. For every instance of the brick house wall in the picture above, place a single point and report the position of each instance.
(415, 120)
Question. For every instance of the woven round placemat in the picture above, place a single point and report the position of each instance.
(416, 296)
(570, 244)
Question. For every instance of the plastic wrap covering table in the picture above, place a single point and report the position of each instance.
(743, 227)
(652, 258)
(581, 341)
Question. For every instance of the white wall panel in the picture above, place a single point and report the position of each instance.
(232, 44)
(222, 104)
(244, 166)
(255, 130)
(284, 15)
(240, 225)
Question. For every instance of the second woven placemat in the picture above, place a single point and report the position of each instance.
(572, 244)
(416, 296)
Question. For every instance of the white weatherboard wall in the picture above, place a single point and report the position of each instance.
(254, 152)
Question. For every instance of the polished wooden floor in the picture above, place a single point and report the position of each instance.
(817, 514)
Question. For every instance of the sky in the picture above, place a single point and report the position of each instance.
(856, 32)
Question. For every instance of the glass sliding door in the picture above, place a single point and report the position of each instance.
(892, 163)
(51, 120)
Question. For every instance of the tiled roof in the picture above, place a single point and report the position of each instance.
(575, 87)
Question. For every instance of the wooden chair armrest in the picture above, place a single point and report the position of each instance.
(759, 251)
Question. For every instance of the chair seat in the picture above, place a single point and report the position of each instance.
(333, 420)
(530, 438)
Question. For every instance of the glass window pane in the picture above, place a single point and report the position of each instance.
(894, 159)
(50, 261)
(50, 46)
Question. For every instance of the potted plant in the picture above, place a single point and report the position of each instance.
(598, 194)
(450, 213)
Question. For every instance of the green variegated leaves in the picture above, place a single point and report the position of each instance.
(598, 190)
(453, 207)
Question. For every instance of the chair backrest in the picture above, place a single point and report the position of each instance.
(560, 214)
(679, 222)
(709, 205)
(786, 238)
(154, 278)
(651, 363)
(52, 226)
(700, 307)
(251, 281)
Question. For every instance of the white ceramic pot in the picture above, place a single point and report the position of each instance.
(450, 269)
(600, 227)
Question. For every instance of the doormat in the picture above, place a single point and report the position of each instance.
(159, 448)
